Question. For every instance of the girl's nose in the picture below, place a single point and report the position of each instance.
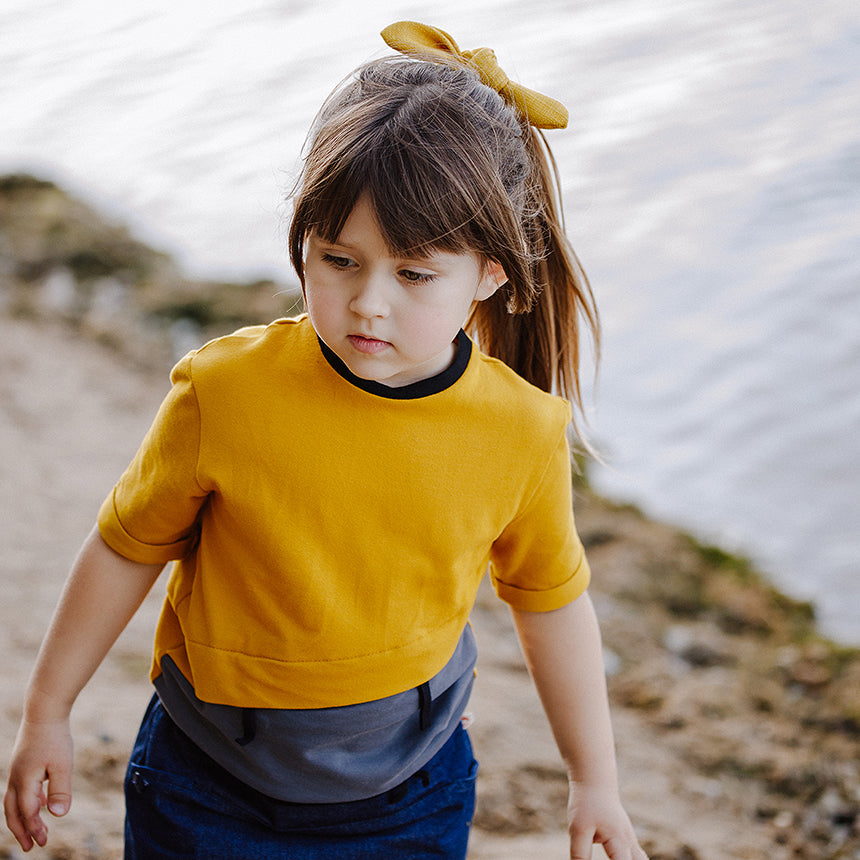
(370, 299)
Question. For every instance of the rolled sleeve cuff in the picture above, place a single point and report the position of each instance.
(120, 541)
(545, 600)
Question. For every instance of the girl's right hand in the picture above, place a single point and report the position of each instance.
(101, 594)
(43, 752)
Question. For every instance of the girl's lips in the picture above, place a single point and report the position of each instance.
(367, 345)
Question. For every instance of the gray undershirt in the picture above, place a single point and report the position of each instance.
(326, 755)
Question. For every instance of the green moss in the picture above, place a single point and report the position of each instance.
(199, 311)
(798, 616)
(714, 556)
(13, 183)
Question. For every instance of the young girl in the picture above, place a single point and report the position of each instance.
(332, 489)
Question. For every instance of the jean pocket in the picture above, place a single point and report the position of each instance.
(171, 816)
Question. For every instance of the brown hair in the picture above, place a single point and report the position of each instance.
(448, 165)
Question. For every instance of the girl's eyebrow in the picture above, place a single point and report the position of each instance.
(337, 245)
(330, 242)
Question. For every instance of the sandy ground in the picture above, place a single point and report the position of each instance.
(71, 415)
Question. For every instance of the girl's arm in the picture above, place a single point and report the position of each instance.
(101, 594)
(563, 652)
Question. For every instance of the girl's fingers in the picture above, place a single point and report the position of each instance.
(23, 818)
(13, 821)
(581, 843)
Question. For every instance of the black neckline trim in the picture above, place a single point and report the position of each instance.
(422, 388)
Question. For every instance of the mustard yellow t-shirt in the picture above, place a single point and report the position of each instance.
(330, 540)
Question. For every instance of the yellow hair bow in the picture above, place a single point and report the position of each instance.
(409, 37)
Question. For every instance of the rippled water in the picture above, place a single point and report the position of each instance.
(712, 181)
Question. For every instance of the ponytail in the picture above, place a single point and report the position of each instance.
(535, 328)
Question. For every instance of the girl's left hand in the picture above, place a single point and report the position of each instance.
(595, 815)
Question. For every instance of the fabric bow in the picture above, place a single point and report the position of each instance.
(410, 37)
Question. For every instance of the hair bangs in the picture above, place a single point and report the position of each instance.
(420, 206)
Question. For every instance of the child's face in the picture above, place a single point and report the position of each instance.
(390, 319)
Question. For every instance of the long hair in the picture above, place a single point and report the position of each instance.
(448, 165)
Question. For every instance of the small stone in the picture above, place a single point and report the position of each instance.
(59, 294)
(783, 820)
(810, 674)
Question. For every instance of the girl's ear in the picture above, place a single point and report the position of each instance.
(493, 277)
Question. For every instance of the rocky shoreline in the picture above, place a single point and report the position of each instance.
(738, 724)
(61, 260)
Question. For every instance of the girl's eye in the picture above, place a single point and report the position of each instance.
(416, 277)
(337, 262)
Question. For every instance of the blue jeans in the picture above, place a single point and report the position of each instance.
(181, 804)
